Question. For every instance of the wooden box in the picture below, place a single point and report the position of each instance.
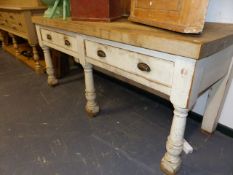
(101, 10)
(186, 16)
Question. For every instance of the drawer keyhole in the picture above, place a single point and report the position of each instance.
(144, 67)
(49, 37)
(101, 53)
(67, 43)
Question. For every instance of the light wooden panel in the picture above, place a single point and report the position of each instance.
(186, 16)
(21, 3)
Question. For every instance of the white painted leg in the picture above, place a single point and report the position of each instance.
(38, 67)
(92, 107)
(211, 115)
(52, 81)
(215, 102)
(171, 161)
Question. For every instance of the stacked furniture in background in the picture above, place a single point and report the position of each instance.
(15, 19)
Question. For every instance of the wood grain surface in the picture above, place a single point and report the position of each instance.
(214, 38)
(185, 16)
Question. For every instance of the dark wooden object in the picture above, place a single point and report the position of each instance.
(61, 63)
(101, 10)
(186, 16)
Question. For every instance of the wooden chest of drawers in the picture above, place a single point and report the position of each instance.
(14, 21)
(186, 16)
(17, 22)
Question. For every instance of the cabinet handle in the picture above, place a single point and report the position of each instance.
(144, 67)
(14, 28)
(20, 24)
(11, 17)
(101, 53)
(49, 37)
(67, 43)
(6, 20)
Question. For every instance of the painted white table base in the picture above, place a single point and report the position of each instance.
(189, 78)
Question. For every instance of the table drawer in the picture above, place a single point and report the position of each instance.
(13, 20)
(60, 39)
(15, 17)
(150, 68)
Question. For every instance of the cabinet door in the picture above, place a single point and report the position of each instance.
(186, 16)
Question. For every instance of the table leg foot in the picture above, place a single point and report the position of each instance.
(171, 162)
(92, 111)
(169, 168)
(52, 81)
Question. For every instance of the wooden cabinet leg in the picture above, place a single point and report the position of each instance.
(4, 39)
(171, 161)
(92, 107)
(38, 67)
(52, 81)
(15, 44)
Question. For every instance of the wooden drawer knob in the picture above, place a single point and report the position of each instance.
(67, 43)
(101, 53)
(20, 24)
(49, 37)
(12, 17)
(144, 67)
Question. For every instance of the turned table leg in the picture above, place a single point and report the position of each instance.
(52, 81)
(4, 38)
(38, 67)
(180, 96)
(171, 161)
(15, 44)
(92, 107)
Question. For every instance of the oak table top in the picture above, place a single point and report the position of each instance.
(214, 38)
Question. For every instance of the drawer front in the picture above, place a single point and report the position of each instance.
(150, 68)
(14, 17)
(60, 39)
(14, 21)
(1, 15)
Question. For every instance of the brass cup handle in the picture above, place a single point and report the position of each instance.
(101, 53)
(67, 43)
(144, 67)
(49, 37)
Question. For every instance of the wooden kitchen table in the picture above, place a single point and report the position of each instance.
(180, 67)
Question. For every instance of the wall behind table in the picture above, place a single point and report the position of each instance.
(220, 11)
